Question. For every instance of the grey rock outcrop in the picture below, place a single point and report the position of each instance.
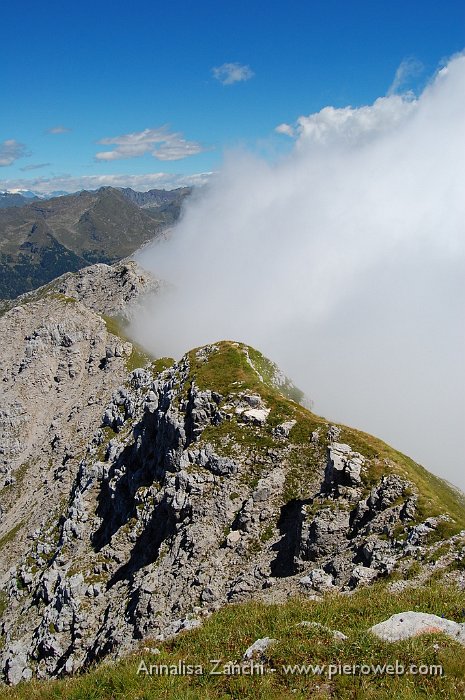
(112, 290)
(344, 466)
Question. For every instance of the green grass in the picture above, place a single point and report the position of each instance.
(435, 495)
(19, 474)
(30, 297)
(267, 533)
(3, 603)
(232, 629)
(161, 364)
(43, 292)
(268, 371)
(229, 438)
(11, 534)
(413, 571)
(228, 369)
(63, 298)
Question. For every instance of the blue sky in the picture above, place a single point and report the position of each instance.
(145, 72)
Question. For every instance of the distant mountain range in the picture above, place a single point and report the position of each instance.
(43, 238)
(15, 199)
(154, 199)
(146, 200)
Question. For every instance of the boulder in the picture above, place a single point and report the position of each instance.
(410, 624)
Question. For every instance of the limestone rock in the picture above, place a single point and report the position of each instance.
(108, 289)
(410, 624)
(258, 648)
(283, 429)
(362, 575)
(318, 579)
(257, 416)
(344, 466)
(323, 532)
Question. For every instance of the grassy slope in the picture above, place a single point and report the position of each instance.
(231, 630)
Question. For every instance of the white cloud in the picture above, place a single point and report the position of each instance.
(34, 166)
(172, 145)
(356, 126)
(409, 68)
(60, 129)
(348, 125)
(344, 263)
(142, 183)
(10, 151)
(177, 150)
(230, 73)
(285, 129)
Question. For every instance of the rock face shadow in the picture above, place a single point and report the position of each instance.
(146, 550)
(290, 526)
(115, 502)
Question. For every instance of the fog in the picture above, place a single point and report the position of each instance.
(343, 262)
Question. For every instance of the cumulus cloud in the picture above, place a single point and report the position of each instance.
(60, 129)
(350, 125)
(161, 143)
(230, 73)
(344, 263)
(141, 183)
(10, 151)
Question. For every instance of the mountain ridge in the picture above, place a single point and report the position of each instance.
(45, 238)
(179, 487)
(14, 199)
